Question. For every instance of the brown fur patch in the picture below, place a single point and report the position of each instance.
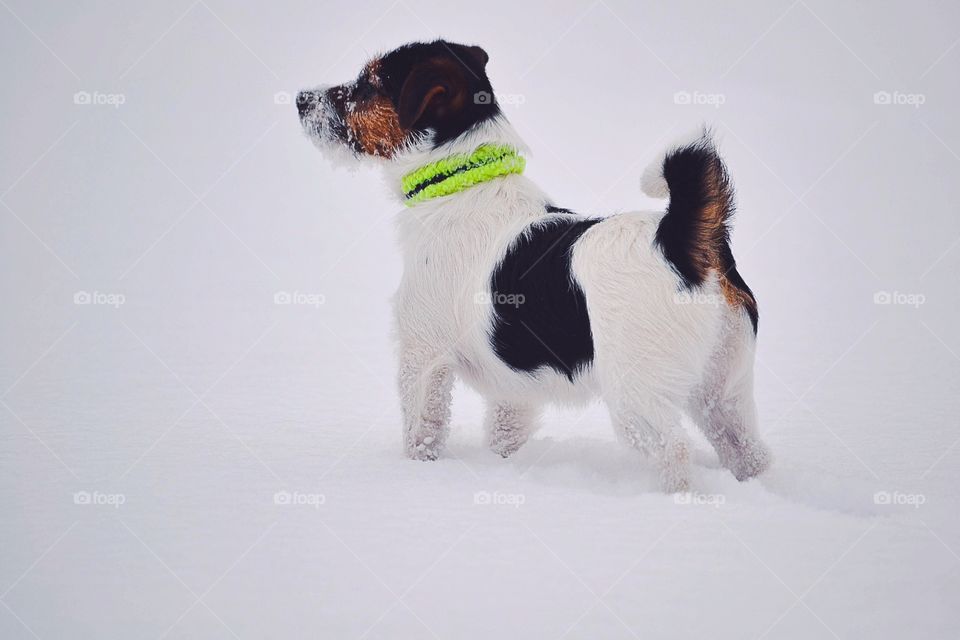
(735, 296)
(713, 236)
(375, 127)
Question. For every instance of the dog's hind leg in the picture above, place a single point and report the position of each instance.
(509, 426)
(653, 425)
(426, 388)
(723, 405)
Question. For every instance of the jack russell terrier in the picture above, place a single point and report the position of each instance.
(530, 303)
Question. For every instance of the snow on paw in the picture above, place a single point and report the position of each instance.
(424, 449)
(675, 468)
(673, 480)
(506, 442)
(755, 458)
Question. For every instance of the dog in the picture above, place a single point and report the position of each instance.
(530, 303)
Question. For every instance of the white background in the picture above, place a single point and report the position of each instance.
(198, 399)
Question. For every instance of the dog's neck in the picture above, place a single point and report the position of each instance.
(487, 151)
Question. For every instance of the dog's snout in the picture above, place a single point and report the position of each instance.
(304, 100)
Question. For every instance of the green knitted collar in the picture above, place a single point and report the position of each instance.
(461, 171)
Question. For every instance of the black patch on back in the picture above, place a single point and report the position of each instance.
(540, 311)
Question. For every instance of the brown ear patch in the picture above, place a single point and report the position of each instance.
(376, 128)
(417, 108)
(436, 87)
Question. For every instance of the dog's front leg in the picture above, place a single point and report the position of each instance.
(509, 426)
(426, 385)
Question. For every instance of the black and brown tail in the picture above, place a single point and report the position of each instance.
(694, 234)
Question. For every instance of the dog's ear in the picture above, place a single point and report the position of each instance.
(479, 55)
(434, 90)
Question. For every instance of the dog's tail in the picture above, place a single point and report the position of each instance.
(694, 234)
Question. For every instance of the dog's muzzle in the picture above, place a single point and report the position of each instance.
(306, 101)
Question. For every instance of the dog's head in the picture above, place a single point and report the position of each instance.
(420, 93)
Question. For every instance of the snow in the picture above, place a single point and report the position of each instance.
(199, 461)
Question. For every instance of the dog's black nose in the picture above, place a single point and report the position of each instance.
(304, 100)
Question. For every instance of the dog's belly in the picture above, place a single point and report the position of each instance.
(486, 374)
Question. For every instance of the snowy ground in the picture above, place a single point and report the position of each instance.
(186, 413)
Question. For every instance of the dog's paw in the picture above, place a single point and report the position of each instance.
(754, 459)
(674, 481)
(505, 443)
(675, 468)
(425, 450)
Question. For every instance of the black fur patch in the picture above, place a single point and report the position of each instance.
(540, 313)
(476, 101)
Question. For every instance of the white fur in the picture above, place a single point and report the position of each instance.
(652, 182)
(655, 357)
